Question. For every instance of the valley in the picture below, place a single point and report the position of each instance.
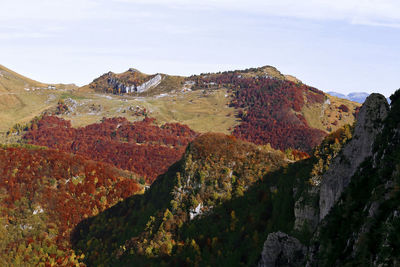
(237, 168)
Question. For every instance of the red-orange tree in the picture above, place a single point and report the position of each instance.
(141, 147)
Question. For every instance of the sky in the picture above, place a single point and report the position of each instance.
(342, 45)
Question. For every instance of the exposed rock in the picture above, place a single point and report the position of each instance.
(343, 167)
(153, 82)
(306, 210)
(122, 87)
(281, 249)
(195, 212)
(38, 210)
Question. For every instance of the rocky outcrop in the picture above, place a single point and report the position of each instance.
(119, 86)
(343, 167)
(281, 249)
(153, 82)
(122, 87)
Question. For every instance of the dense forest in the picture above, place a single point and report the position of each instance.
(215, 206)
(141, 147)
(269, 109)
(219, 204)
(44, 194)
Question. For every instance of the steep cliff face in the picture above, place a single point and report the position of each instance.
(362, 228)
(351, 211)
(369, 124)
(306, 210)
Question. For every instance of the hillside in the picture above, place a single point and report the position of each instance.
(247, 103)
(277, 111)
(21, 98)
(193, 219)
(44, 194)
(112, 177)
(257, 97)
(141, 147)
(151, 228)
(137, 83)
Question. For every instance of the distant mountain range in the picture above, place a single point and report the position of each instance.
(358, 97)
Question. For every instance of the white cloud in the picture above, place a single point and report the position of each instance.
(50, 9)
(369, 12)
(21, 35)
(376, 23)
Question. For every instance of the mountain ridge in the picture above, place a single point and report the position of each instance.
(222, 102)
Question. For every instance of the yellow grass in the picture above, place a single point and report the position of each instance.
(321, 116)
(201, 112)
(20, 105)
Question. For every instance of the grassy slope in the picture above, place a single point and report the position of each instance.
(18, 105)
(325, 116)
(210, 111)
(201, 112)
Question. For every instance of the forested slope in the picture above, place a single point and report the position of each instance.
(44, 194)
(141, 147)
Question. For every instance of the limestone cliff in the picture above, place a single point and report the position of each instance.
(369, 124)
(354, 203)
(362, 227)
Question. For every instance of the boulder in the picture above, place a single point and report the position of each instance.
(281, 249)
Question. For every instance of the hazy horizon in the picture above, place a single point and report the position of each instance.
(341, 46)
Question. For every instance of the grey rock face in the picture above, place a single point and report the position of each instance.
(306, 211)
(119, 86)
(281, 249)
(343, 167)
(149, 84)
(126, 88)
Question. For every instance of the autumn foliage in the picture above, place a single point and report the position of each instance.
(216, 168)
(344, 108)
(45, 193)
(269, 109)
(141, 147)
